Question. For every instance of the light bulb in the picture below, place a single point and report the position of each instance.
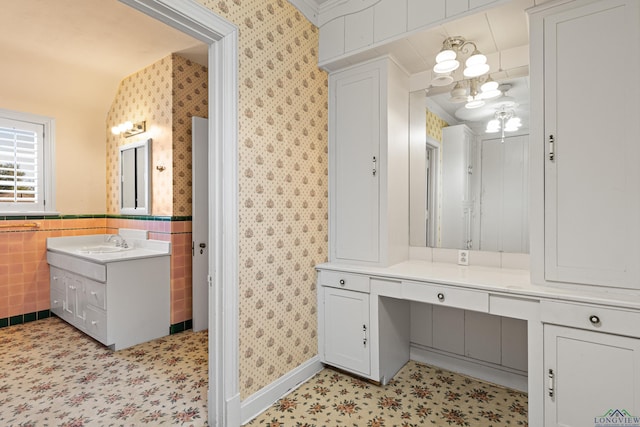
(476, 58)
(445, 55)
(475, 103)
(489, 85)
(446, 66)
(476, 70)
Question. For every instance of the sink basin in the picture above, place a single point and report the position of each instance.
(101, 249)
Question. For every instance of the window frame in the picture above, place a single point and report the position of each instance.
(46, 189)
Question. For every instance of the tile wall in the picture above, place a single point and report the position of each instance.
(24, 272)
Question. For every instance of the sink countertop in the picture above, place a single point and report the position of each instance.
(138, 248)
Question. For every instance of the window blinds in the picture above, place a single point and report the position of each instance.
(20, 161)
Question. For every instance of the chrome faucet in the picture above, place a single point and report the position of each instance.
(120, 242)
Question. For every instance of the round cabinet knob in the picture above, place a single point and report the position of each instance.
(342, 282)
(440, 296)
(595, 320)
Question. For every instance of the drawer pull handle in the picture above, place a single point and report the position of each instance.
(595, 320)
(440, 296)
(342, 282)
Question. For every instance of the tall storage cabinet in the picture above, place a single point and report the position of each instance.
(585, 202)
(368, 164)
(458, 197)
(585, 137)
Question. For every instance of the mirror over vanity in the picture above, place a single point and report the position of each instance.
(135, 178)
(469, 186)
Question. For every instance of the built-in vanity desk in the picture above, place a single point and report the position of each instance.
(365, 320)
(115, 288)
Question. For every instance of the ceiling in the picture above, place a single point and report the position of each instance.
(71, 39)
(64, 42)
(501, 33)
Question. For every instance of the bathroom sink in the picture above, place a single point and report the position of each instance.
(101, 249)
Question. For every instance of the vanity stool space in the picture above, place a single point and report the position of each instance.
(118, 295)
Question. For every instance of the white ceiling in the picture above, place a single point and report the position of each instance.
(68, 40)
(83, 48)
(501, 33)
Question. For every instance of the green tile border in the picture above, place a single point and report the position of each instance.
(138, 217)
(181, 327)
(24, 318)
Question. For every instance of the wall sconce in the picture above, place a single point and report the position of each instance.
(129, 128)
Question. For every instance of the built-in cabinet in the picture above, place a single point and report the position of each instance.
(587, 141)
(591, 369)
(346, 329)
(579, 301)
(458, 197)
(103, 300)
(369, 157)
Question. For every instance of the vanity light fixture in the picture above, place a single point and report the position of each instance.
(447, 59)
(129, 128)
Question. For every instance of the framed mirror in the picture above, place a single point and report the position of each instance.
(135, 179)
(468, 187)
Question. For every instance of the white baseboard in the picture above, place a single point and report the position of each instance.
(267, 396)
(485, 371)
(233, 411)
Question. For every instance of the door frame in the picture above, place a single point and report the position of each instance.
(203, 24)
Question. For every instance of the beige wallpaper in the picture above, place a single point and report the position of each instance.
(165, 95)
(190, 98)
(434, 126)
(283, 186)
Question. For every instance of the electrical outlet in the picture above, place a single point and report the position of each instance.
(463, 257)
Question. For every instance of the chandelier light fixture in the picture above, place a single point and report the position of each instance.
(505, 120)
(474, 89)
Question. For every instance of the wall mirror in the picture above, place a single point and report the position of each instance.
(469, 188)
(135, 179)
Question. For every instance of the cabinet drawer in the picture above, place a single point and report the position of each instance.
(96, 324)
(446, 295)
(591, 317)
(337, 279)
(96, 294)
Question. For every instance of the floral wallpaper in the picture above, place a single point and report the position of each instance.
(434, 126)
(165, 95)
(283, 186)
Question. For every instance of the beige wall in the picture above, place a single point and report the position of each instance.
(79, 141)
(283, 186)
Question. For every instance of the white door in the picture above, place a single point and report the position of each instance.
(346, 331)
(200, 223)
(590, 375)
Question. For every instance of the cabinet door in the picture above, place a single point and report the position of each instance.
(354, 185)
(346, 330)
(592, 178)
(592, 375)
(458, 150)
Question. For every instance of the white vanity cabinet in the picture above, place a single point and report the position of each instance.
(358, 331)
(589, 373)
(120, 302)
(80, 301)
(585, 174)
(368, 164)
(458, 195)
(346, 326)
